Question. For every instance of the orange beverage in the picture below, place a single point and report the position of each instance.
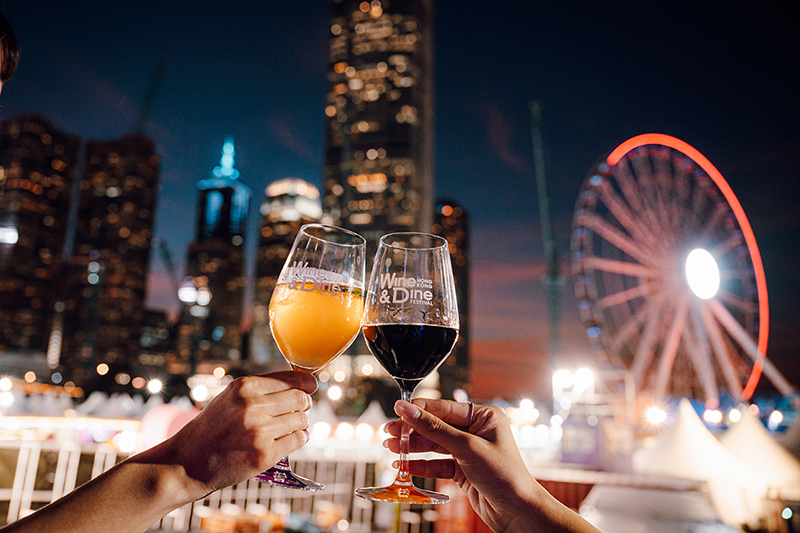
(313, 325)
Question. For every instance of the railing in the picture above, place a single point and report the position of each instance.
(35, 473)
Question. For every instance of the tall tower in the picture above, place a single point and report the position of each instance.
(104, 309)
(379, 126)
(288, 204)
(212, 329)
(37, 169)
(452, 223)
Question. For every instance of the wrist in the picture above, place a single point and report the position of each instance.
(166, 476)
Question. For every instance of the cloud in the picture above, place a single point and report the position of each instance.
(284, 131)
(500, 132)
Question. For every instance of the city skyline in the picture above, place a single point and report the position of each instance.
(727, 91)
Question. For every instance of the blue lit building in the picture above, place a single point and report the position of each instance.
(210, 329)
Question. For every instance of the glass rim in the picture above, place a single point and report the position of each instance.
(333, 229)
(439, 238)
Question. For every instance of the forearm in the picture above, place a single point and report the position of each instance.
(128, 498)
(540, 512)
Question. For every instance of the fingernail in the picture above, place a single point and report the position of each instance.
(407, 410)
(385, 444)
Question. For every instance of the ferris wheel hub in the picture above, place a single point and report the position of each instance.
(702, 273)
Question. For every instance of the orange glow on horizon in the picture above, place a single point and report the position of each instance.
(738, 211)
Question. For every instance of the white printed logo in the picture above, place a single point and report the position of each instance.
(399, 290)
(302, 277)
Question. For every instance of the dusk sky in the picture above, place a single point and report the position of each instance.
(725, 79)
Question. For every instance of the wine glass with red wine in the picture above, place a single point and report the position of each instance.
(410, 325)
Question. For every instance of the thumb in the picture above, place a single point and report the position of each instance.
(431, 427)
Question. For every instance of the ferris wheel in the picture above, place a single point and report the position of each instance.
(668, 275)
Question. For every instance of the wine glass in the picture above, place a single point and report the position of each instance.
(410, 325)
(315, 312)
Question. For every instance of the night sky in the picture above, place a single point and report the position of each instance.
(725, 78)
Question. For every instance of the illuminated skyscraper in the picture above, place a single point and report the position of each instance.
(452, 223)
(37, 169)
(211, 326)
(288, 204)
(379, 135)
(105, 308)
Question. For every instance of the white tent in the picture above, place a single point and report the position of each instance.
(373, 415)
(688, 450)
(750, 441)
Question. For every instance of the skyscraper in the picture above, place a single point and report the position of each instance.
(379, 127)
(452, 223)
(104, 309)
(37, 169)
(288, 204)
(211, 329)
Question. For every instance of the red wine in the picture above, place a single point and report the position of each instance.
(409, 352)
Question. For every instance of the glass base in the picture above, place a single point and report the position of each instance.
(401, 492)
(281, 475)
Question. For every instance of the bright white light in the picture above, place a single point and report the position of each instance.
(702, 273)
(526, 405)
(188, 292)
(735, 415)
(125, 440)
(565, 403)
(203, 296)
(5, 384)
(334, 393)
(339, 376)
(583, 378)
(30, 376)
(556, 420)
(9, 235)
(713, 416)
(345, 431)
(154, 386)
(199, 393)
(6, 399)
(219, 372)
(775, 419)
(786, 514)
(655, 415)
(102, 369)
(342, 525)
(364, 432)
(321, 430)
(367, 369)
(562, 379)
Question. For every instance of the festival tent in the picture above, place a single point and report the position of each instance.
(750, 441)
(373, 415)
(687, 449)
(791, 439)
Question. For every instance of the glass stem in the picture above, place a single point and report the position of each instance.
(402, 474)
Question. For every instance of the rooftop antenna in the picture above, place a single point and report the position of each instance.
(152, 91)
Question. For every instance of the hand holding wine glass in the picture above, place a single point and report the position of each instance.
(410, 325)
(316, 310)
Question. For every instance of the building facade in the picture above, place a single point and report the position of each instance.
(378, 175)
(452, 223)
(37, 172)
(211, 325)
(104, 307)
(288, 205)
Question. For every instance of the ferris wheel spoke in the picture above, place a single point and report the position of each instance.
(631, 327)
(718, 346)
(738, 333)
(681, 194)
(726, 246)
(643, 289)
(650, 189)
(626, 181)
(625, 268)
(697, 346)
(663, 192)
(628, 220)
(644, 351)
(617, 238)
(732, 301)
(714, 222)
(671, 347)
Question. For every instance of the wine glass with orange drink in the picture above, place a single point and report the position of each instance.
(315, 312)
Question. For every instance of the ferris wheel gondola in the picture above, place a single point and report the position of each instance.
(640, 213)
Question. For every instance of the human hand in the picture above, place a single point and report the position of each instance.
(486, 464)
(245, 430)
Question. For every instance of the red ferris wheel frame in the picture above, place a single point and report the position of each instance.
(750, 238)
